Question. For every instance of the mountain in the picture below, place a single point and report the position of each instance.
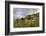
(37, 14)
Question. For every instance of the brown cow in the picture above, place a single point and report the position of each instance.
(28, 19)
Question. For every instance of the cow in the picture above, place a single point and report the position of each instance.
(28, 19)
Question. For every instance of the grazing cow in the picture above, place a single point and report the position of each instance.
(28, 19)
(22, 19)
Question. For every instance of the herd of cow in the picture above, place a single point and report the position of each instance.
(27, 18)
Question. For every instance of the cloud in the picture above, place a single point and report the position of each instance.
(21, 12)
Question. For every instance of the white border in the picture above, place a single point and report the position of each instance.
(28, 28)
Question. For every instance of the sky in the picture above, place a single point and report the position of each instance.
(22, 12)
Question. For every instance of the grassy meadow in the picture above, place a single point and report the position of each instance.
(21, 23)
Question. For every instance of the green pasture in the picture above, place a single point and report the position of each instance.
(21, 23)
